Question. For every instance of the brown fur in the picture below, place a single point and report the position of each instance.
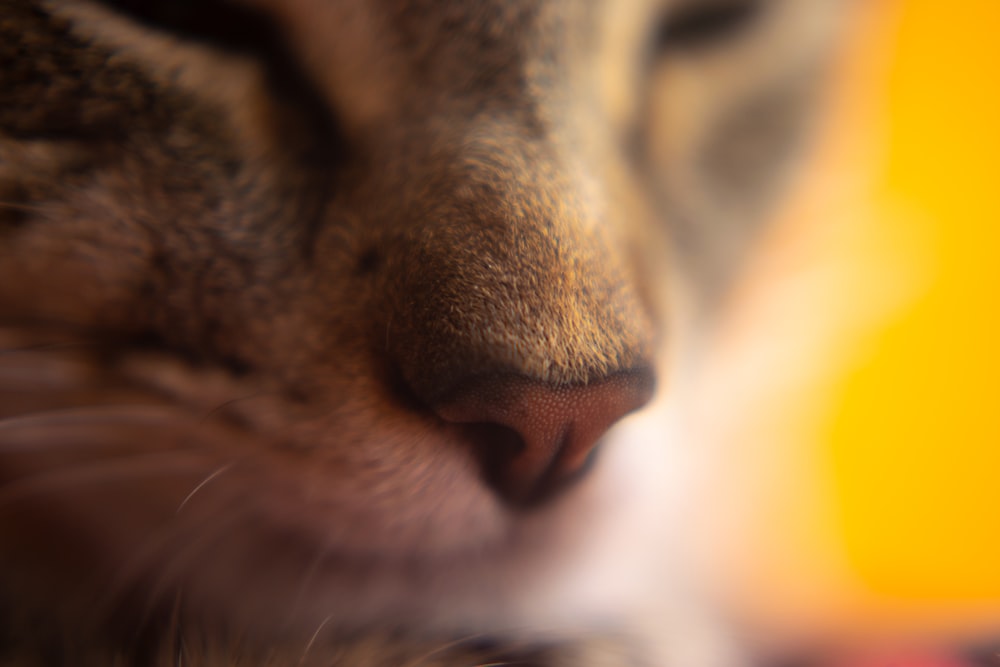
(237, 276)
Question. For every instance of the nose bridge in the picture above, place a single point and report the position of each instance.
(376, 61)
(516, 268)
(527, 164)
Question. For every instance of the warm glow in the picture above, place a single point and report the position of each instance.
(915, 438)
(860, 373)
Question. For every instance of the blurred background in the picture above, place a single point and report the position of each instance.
(858, 375)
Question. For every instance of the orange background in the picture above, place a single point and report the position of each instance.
(861, 365)
(915, 438)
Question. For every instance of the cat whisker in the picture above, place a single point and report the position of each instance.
(219, 471)
(93, 431)
(177, 633)
(14, 206)
(48, 347)
(37, 378)
(94, 414)
(233, 401)
(312, 640)
(183, 543)
(423, 659)
(308, 576)
(96, 473)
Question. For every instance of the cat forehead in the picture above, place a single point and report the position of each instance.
(382, 63)
(372, 56)
(421, 25)
(433, 40)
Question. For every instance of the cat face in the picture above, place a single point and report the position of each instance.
(317, 313)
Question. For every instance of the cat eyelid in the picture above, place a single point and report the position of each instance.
(249, 32)
(700, 25)
(214, 22)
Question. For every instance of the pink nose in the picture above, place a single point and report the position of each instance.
(533, 438)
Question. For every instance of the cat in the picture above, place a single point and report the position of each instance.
(318, 319)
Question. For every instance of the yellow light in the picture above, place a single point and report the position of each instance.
(915, 438)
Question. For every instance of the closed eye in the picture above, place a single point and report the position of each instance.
(238, 29)
(246, 31)
(706, 23)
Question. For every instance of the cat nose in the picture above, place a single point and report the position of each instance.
(535, 438)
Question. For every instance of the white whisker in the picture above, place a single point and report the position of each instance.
(312, 640)
(80, 416)
(233, 401)
(98, 472)
(422, 660)
(165, 553)
(50, 346)
(218, 471)
(13, 206)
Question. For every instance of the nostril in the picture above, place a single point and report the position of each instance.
(496, 446)
(533, 438)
